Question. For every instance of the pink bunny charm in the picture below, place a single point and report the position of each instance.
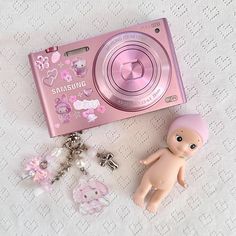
(90, 196)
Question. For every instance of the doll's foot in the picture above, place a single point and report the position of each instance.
(138, 200)
(152, 207)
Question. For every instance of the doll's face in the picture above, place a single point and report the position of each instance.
(184, 142)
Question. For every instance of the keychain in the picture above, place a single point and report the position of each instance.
(89, 193)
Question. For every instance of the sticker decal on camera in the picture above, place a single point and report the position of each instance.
(63, 109)
(55, 57)
(90, 106)
(51, 76)
(42, 62)
(86, 104)
(89, 115)
(101, 109)
(79, 67)
(66, 76)
(88, 91)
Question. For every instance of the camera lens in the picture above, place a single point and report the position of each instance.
(157, 30)
(131, 75)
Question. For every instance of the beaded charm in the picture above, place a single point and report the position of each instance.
(89, 192)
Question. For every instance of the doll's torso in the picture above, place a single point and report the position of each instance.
(162, 174)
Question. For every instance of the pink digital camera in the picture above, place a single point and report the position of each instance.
(107, 78)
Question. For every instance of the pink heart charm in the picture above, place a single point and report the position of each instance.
(88, 91)
(72, 99)
(101, 109)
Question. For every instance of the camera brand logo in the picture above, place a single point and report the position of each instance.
(69, 87)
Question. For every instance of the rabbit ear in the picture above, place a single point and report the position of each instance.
(82, 183)
(57, 100)
(63, 98)
(77, 195)
(98, 185)
(78, 190)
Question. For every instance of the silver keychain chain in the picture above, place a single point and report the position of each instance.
(75, 147)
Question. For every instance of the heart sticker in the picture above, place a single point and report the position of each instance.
(88, 91)
(51, 76)
(101, 109)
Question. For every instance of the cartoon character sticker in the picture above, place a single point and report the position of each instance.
(63, 109)
(65, 75)
(79, 67)
(90, 106)
(89, 115)
(90, 195)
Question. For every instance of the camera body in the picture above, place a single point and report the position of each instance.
(106, 78)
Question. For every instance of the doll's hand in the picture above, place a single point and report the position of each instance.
(183, 183)
(144, 162)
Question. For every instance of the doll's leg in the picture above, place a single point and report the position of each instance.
(141, 192)
(156, 199)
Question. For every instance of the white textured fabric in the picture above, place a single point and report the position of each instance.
(204, 35)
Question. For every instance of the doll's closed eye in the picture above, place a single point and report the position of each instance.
(179, 138)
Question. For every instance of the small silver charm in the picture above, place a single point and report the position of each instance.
(107, 159)
(74, 141)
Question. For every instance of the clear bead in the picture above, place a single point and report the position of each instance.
(57, 152)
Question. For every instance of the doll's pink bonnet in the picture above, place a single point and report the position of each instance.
(193, 122)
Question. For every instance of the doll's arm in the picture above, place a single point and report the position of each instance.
(180, 177)
(155, 156)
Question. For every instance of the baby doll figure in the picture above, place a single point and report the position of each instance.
(186, 135)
